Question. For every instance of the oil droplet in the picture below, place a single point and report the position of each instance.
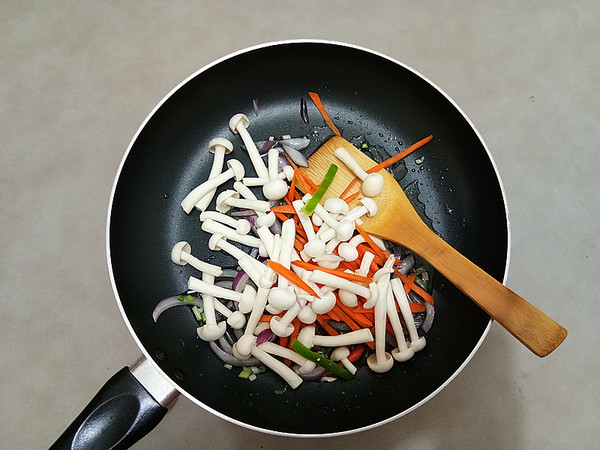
(448, 209)
(166, 195)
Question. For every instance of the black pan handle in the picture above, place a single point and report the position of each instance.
(122, 412)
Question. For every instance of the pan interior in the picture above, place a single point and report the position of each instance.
(372, 100)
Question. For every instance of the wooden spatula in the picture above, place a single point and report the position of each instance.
(397, 221)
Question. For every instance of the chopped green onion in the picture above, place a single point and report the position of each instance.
(198, 314)
(310, 206)
(364, 145)
(181, 298)
(245, 373)
(228, 366)
(186, 298)
(319, 359)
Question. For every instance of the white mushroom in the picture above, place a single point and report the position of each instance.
(219, 147)
(314, 246)
(254, 268)
(245, 299)
(370, 293)
(231, 199)
(275, 188)
(181, 254)
(291, 377)
(341, 354)
(235, 170)
(402, 352)
(308, 337)
(306, 365)
(242, 226)
(212, 330)
(235, 319)
(372, 183)
(213, 227)
(416, 343)
(245, 343)
(238, 124)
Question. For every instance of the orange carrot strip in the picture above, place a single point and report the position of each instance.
(281, 216)
(285, 209)
(317, 101)
(328, 328)
(346, 318)
(337, 272)
(334, 316)
(397, 157)
(265, 318)
(417, 308)
(349, 187)
(356, 353)
(352, 197)
(292, 277)
(356, 317)
(371, 243)
(290, 195)
(307, 184)
(409, 284)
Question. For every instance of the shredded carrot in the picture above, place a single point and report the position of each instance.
(345, 318)
(337, 272)
(290, 195)
(328, 328)
(409, 284)
(317, 101)
(360, 319)
(292, 277)
(417, 308)
(332, 315)
(307, 184)
(281, 216)
(266, 318)
(352, 197)
(349, 187)
(397, 157)
(356, 353)
(285, 209)
(370, 242)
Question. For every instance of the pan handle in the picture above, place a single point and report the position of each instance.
(124, 410)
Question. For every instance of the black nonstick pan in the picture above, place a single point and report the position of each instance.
(371, 98)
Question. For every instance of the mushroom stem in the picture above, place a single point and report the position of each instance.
(416, 343)
(238, 124)
(287, 353)
(213, 227)
(372, 182)
(181, 255)
(361, 336)
(291, 377)
(219, 147)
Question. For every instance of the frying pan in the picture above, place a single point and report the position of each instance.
(371, 98)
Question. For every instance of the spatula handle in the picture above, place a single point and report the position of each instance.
(538, 332)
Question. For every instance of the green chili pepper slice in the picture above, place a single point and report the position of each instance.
(319, 359)
(310, 206)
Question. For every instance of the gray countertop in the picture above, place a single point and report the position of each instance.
(78, 78)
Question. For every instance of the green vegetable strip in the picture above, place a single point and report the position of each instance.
(319, 359)
(310, 206)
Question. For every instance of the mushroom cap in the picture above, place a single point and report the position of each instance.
(238, 119)
(418, 344)
(370, 204)
(178, 249)
(380, 366)
(307, 315)
(315, 247)
(220, 142)
(349, 299)
(242, 226)
(222, 198)
(324, 304)
(247, 301)
(212, 332)
(335, 205)
(372, 184)
(402, 356)
(307, 335)
(347, 251)
(374, 295)
(213, 242)
(244, 344)
(279, 328)
(281, 298)
(339, 353)
(266, 220)
(275, 189)
(237, 167)
(345, 230)
(236, 320)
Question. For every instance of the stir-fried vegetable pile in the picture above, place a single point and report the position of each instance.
(309, 294)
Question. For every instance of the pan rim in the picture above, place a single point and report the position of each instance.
(134, 139)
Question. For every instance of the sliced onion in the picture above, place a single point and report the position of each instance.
(230, 359)
(224, 283)
(264, 336)
(314, 375)
(265, 146)
(255, 105)
(407, 264)
(303, 110)
(240, 281)
(276, 227)
(229, 273)
(295, 156)
(299, 143)
(429, 316)
(170, 302)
